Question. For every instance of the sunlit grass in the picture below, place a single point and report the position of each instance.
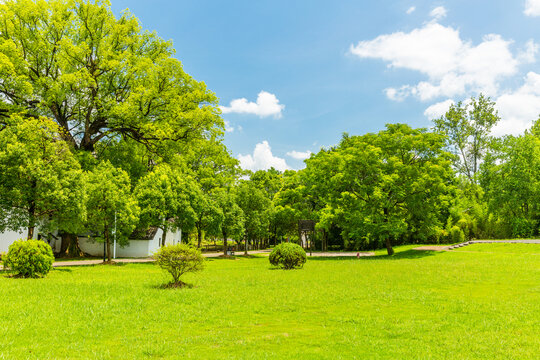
(451, 305)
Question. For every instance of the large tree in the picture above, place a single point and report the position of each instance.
(40, 179)
(381, 183)
(98, 76)
(111, 205)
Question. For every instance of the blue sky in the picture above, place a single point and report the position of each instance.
(310, 70)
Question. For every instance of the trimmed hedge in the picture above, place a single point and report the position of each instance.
(288, 256)
(29, 258)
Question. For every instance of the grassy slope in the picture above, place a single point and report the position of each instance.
(415, 305)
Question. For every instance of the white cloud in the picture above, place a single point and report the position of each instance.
(262, 159)
(437, 110)
(411, 10)
(532, 8)
(299, 155)
(528, 54)
(520, 108)
(453, 66)
(267, 104)
(438, 13)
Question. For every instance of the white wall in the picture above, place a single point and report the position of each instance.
(135, 248)
(9, 237)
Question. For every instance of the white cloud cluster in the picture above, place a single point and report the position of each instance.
(532, 8)
(262, 159)
(438, 13)
(452, 65)
(299, 155)
(410, 10)
(518, 109)
(267, 104)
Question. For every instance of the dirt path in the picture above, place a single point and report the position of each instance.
(451, 247)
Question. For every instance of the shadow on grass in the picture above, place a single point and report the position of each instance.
(173, 285)
(408, 254)
(62, 269)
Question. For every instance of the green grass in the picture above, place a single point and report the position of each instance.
(416, 305)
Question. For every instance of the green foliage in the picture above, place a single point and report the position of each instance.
(98, 76)
(110, 201)
(255, 205)
(40, 179)
(179, 259)
(457, 235)
(288, 256)
(29, 258)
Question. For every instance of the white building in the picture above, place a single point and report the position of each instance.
(143, 246)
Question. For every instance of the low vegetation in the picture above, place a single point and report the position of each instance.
(178, 260)
(288, 256)
(29, 258)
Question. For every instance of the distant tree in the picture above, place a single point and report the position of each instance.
(40, 179)
(110, 203)
(254, 203)
(233, 216)
(468, 130)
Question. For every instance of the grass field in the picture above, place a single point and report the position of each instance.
(415, 305)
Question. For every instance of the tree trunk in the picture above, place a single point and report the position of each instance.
(389, 246)
(70, 245)
(246, 246)
(224, 243)
(30, 233)
(199, 236)
(108, 241)
(164, 237)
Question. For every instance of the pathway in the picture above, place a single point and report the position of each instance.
(451, 247)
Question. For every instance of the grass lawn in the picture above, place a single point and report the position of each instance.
(415, 305)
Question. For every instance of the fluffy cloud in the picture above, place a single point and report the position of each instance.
(532, 8)
(438, 13)
(262, 159)
(437, 110)
(299, 155)
(228, 127)
(452, 65)
(267, 104)
(411, 10)
(520, 108)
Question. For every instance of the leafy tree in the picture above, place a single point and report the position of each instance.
(381, 181)
(163, 201)
(99, 76)
(254, 203)
(233, 216)
(111, 205)
(40, 179)
(468, 127)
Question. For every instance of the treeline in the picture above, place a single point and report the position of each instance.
(100, 125)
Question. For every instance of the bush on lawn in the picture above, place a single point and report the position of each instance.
(178, 260)
(29, 258)
(288, 256)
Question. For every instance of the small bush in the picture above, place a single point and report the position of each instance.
(29, 258)
(288, 256)
(457, 235)
(179, 259)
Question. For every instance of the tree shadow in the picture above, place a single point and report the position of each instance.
(62, 269)
(407, 254)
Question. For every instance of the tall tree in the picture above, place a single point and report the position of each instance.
(254, 203)
(233, 216)
(111, 205)
(468, 127)
(40, 179)
(98, 76)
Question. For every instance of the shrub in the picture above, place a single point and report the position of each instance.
(29, 258)
(288, 256)
(179, 259)
(457, 235)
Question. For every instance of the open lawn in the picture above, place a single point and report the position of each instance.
(447, 305)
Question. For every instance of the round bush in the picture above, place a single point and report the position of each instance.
(29, 258)
(288, 256)
(179, 259)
